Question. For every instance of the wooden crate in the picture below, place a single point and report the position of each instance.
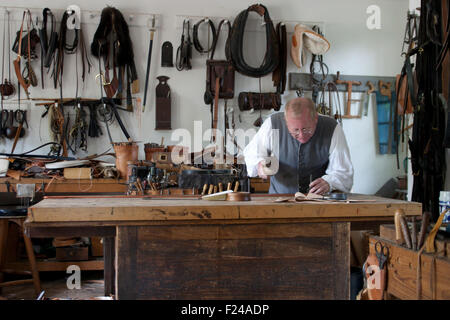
(402, 273)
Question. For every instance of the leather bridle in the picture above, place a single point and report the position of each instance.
(272, 56)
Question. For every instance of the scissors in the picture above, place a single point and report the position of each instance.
(21, 116)
(382, 253)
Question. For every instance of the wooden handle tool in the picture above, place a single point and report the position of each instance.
(220, 186)
(229, 186)
(211, 188)
(423, 229)
(405, 231)
(414, 233)
(215, 189)
(205, 187)
(236, 186)
(398, 229)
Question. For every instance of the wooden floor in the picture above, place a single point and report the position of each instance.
(55, 287)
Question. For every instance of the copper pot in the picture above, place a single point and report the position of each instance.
(125, 151)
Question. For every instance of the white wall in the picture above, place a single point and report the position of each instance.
(354, 50)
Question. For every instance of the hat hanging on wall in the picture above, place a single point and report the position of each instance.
(306, 39)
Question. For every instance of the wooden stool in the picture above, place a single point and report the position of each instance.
(14, 217)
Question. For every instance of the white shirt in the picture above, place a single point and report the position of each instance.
(339, 173)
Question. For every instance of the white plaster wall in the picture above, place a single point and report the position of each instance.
(354, 50)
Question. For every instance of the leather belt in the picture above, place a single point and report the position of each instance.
(272, 55)
(196, 42)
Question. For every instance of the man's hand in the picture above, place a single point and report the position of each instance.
(261, 174)
(318, 186)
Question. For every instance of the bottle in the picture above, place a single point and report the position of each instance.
(444, 203)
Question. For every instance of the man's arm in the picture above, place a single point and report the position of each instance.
(339, 173)
(259, 148)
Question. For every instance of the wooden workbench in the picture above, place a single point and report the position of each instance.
(187, 248)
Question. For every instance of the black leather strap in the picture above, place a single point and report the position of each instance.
(227, 43)
(197, 44)
(272, 55)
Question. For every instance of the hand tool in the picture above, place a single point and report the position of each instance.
(215, 189)
(350, 85)
(367, 96)
(430, 239)
(211, 188)
(229, 186)
(405, 231)
(423, 229)
(149, 59)
(205, 187)
(398, 229)
(220, 186)
(236, 186)
(414, 233)
(382, 253)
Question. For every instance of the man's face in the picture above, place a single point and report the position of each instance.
(301, 127)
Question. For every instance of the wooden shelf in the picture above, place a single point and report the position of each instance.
(54, 265)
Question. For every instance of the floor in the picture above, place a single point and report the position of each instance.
(55, 286)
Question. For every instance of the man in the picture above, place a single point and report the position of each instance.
(310, 149)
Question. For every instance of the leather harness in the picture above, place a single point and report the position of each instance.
(64, 47)
(272, 56)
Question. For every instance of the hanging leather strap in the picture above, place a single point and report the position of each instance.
(216, 108)
(17, 61)
(195, 40)
(227, 41)
(279, 75)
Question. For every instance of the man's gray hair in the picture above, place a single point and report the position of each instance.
(296, 106)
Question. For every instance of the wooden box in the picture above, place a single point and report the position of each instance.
(72, 253)
(96, 247)
(402, 273)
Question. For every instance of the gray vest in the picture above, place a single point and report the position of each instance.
(298, 163)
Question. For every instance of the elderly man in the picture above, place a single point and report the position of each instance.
(310, 150)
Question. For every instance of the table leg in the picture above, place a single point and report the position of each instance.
(33, 265)
(341, 260)
(109, 273)
(3, 240)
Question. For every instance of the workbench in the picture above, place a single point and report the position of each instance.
(186, 248)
